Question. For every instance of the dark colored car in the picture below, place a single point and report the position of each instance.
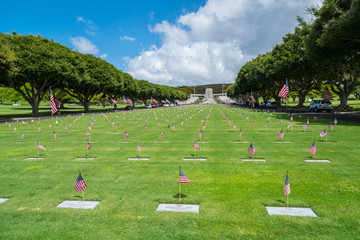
(129, 108)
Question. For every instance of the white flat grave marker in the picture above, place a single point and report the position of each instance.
(291, 211)
(194, 159)
(81, 158)
(78, 204)
(3, 200)
(34, 158)
(240, 142)
(253, 160)
(282, 142)
(178, 208)
(311, 160)
(162, 142)
(141, 159)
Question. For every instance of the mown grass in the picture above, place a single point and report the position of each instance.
(232, 194)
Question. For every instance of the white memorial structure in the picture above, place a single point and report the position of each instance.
(208, 97)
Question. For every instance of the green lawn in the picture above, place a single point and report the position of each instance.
(232, 194)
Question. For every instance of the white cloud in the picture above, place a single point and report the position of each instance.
(84, 45)
(103, 56)
(91, 26)
(127, 38)
(210, 45)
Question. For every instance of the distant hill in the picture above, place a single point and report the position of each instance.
(216, 87)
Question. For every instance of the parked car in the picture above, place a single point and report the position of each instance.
(129, 108)
(320, 105)
(166, 105)
(270, 104)
(148, 106)
(154, 105)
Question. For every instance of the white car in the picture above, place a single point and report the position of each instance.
(320, 105)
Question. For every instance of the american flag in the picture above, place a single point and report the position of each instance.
(126, 134)
(241, 100)
(181, 122)
(22, 136)
(80, 184)
(53, 104)
(331, 126)
(145, 127)
(153, 100)
(161, 133)
(89, 128)
(234, 126)
(313, 149)
(327, 94)
(284, 92)
(87, 134)
(41, 146)
(112, 101)
(88, 146)
(281, 134)
(14, 128)
(291, 118)
(139, 148)
(172, 127)
(167, 101)
(286, 190)
(200, 133)
(251, 149)
(240, 132)
(289, 126)
(304, 126)
(54, 134)
(128, 101)
(323, 133)
(183, 179)
(195, 145)
(335, 121)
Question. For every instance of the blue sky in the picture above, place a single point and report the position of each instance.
(176, 42)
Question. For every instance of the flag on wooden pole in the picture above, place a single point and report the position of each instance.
(139, 148)
(41, 146)
(281, 134)
(286, 189)
(80, 184)
(323, 133)
(88, 146)
(53, 104)
(195, 145)
(251, 149)
(313, 149)
(284, 92)
(183, 179)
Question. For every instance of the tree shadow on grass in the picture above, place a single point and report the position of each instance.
(177, 195)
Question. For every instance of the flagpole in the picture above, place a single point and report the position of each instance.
(83, 195)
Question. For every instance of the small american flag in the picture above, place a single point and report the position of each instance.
(200, 133)
(183, 179)
(331, 126)
(284, 92)
(313, 149)
(53, 104)
(128, 101)
(54, 134)
(139, 148)
(145, 127)
(323, 133)
(335, 121)
(234, 126)
(161, 133)
(251, 149)
(327, 94)
(22, 136)
(172, 127)
(80, 184)
(304, 126)
(252, 100)
(88, 146)
(126, 135)
(281, 134)
(181, 122)
(240, 132)
(289, 126)
(286, 190)
(195, 145)
(41, 146)
(281, 121)
(153, 100)
(112, 101)
(291, 118)
(203, 127)
(87, 134)
(65, 128)
(14, 128)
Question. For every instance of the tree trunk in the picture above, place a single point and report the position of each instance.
(115, 106)
(343, 100)
(86, 106)
(35, 107)
(301, 100)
